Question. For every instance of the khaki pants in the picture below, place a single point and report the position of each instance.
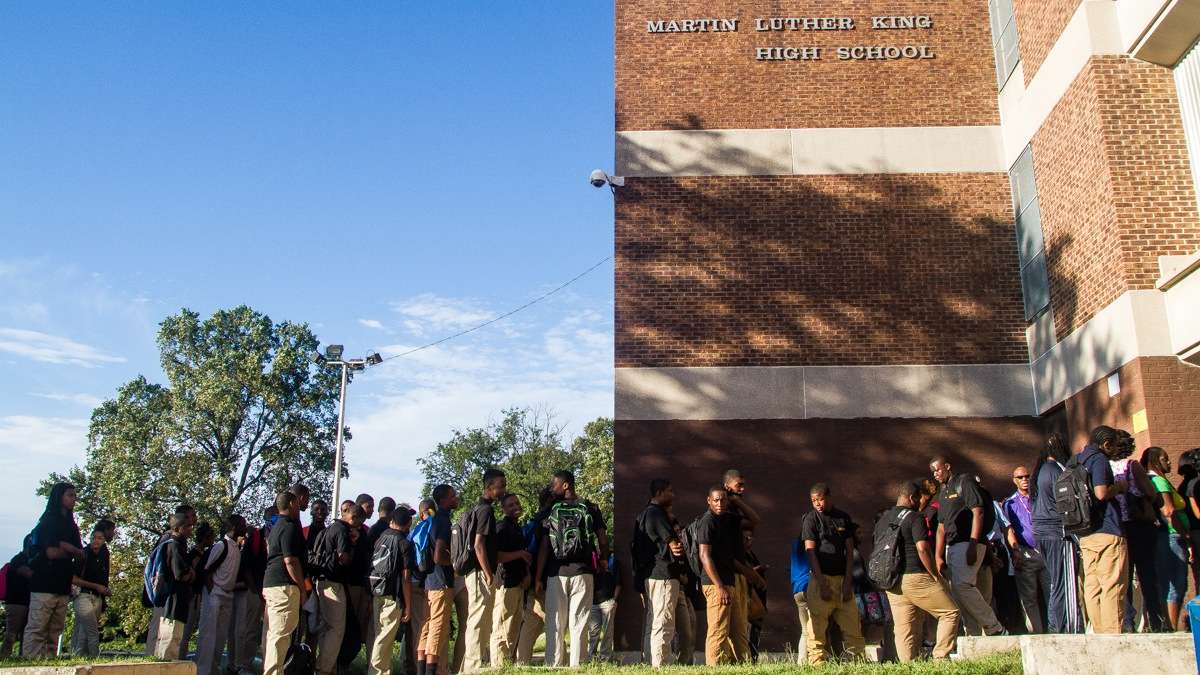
(685, 631)
(331, 598)
(15, 617)
(739, 629)
(387, 613)
(480, 598)
(247, 629)
(972, 589)
(170, 639)
(843, 611)
(216, 609)
(283, 615)
(568, 607)
(662, 599)
(509, 605)
(85, 640)
(156, 614)
(805, 627)
(532, 624)
(416, 618)
(724, 622)
(1105, 578)
(435, 634)
(47, 617)
(920, 591)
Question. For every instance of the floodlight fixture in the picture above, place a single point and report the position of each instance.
(316, 358)
(374, 359)
(334, 352)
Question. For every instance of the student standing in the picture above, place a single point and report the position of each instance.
(16, 602)
(1104, 551)
(1139, 522)
(533, 622)
(920, 587)
(965, 516)
(247, 629)
(658, 555)
(830, 537)
(57, 547)
(203, 539)
(393, 590)
(572, 533)
(514, 578)
(479, 532)
(320, 514)
(439, 587)
(360, 629)
(92, 580)
(179, 598)
(691, 600)
(718, 540)
(184, 511)
(335, 553)
(283, 583)
(1174, 551)
(1022, 545)
(219, 572)
(419, 611)
(1058, 551)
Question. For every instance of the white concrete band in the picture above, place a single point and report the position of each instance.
(823, 392)
(1092, 30)
(806, 152)
(1134, 325)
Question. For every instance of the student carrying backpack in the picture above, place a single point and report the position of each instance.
(570, 529)
(1073, 498)
(885, 566)
(157, 580)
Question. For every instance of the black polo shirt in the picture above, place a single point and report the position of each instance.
(833, 532)
(54, 576)
(510, 538)
(481, 520)
(441, 576)
(955, 500)
(94, 567)
(286, 541)
(655, 529)
(722, 534)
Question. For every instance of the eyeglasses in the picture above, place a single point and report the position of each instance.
(1025, 477)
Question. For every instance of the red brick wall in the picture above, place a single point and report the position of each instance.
(817, 270)
(712, 80)
(781, 459)
(1039, 24)
(1114, 186)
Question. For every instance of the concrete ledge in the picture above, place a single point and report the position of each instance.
(1108, 654)
(975, 647)
(133, 668)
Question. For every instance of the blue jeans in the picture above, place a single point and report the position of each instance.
(1171, 563)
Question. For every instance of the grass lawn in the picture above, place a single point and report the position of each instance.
(70, 661)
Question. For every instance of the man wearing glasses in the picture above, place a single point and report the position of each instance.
(1031, 575)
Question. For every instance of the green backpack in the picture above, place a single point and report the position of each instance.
(569, 526)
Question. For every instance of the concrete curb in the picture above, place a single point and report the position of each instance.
(136, 668)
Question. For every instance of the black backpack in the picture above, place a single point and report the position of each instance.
(569, 528)
(642, 550)
(1073, 498)
(691, 547)
(462, 542)
(887, 556)
(323, 557)
(299, 659)
(384, 564)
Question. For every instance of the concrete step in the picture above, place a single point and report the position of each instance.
(1108, 654)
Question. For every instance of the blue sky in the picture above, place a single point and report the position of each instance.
(389, 172)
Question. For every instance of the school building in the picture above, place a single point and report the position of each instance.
(857, 234)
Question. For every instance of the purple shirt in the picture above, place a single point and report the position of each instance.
(1017, 510)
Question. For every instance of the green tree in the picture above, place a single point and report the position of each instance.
(528, 446)
(243, 414)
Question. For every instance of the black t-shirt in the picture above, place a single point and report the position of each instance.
(605, 584)
(337, 537)
(286, 541)
(955, 501)
(719, 533)
(377, 529)
(582, 564)
(833, 532)
(360, 559)
(509, 538)
(655, 530)
(912, 530)
(481, 520)
(54, 576)
(179, 602)
(1189, 490)
(17, 585)
(442, 576)
(94, 567)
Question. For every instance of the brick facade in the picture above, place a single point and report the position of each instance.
(817, 270)
(1039, 23)
(1114, 186)
(712, 80)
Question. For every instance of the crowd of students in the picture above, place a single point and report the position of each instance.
(947, 559)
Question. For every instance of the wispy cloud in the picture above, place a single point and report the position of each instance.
(82, 399)
(30, 449)
(427, 313)
(38, 346)
(371, 323)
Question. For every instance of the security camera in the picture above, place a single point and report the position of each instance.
(599, 178)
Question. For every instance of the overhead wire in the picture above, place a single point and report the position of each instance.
(503, 316)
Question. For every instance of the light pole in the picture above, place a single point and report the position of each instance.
(333, 357)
